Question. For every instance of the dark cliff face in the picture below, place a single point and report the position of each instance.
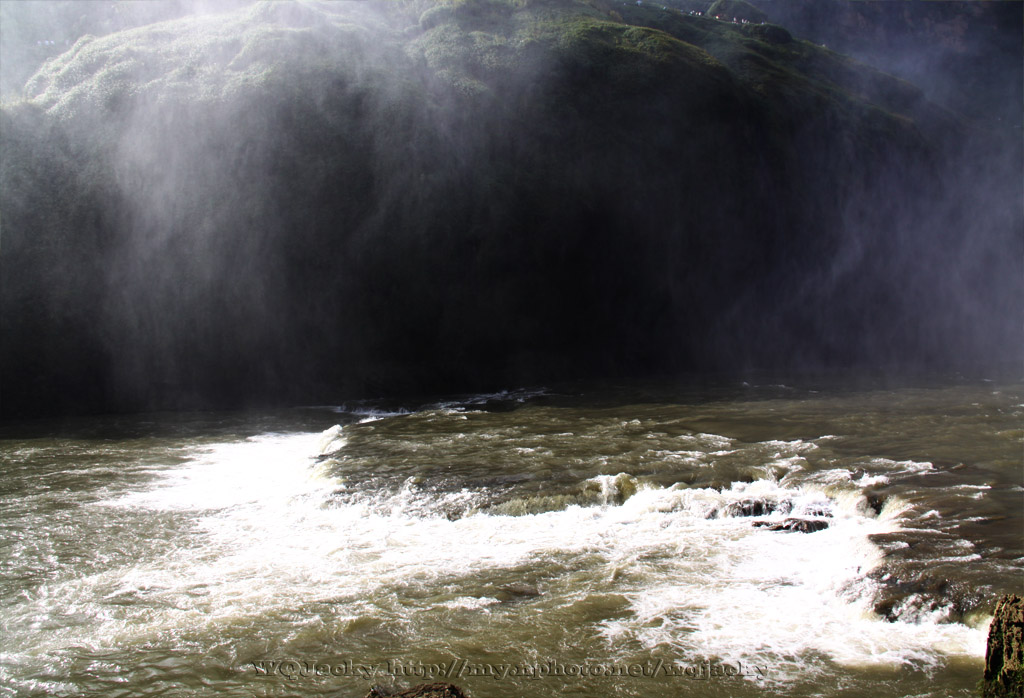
(309, 201)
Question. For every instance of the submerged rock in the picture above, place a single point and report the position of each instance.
(516, 592)
(1004, 656)
(918, 592)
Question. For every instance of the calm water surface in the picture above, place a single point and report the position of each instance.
(621, 542)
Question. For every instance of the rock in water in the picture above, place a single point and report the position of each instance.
(1004, 658)
(424, 690)
(752, 507)
(794, 525)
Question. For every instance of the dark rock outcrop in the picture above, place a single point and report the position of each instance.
(752, 507)
(794, 525)
(1004, 657)
(426, 690)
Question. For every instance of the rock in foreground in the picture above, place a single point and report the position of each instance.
(424, 690)
(1004, 658)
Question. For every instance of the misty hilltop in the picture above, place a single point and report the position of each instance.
(300, 201)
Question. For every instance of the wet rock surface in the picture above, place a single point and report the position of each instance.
(794, 525)
(752, 507)
(1004, 657)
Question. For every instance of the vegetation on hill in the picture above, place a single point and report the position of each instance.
(301, 201)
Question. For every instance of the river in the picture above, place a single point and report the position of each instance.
(732, 540)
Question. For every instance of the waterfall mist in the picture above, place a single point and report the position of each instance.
(209, 204)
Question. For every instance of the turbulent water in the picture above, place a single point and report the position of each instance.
(731, 541)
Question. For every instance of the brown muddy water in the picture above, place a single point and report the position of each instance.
(554, 542)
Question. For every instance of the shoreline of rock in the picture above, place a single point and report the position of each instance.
(1004, 652)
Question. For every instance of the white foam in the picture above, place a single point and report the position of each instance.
(705, 586)
(269, 469)
(333, 439)
(471, 602)
(372, 415)
(737, 593)
(866, 480)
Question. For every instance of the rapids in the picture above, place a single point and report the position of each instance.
(620, 542)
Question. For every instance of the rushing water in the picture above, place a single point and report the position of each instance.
(519, 544)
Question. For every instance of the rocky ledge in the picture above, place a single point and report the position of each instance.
(1004, 657)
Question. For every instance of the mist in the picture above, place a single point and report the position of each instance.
(235, 203)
